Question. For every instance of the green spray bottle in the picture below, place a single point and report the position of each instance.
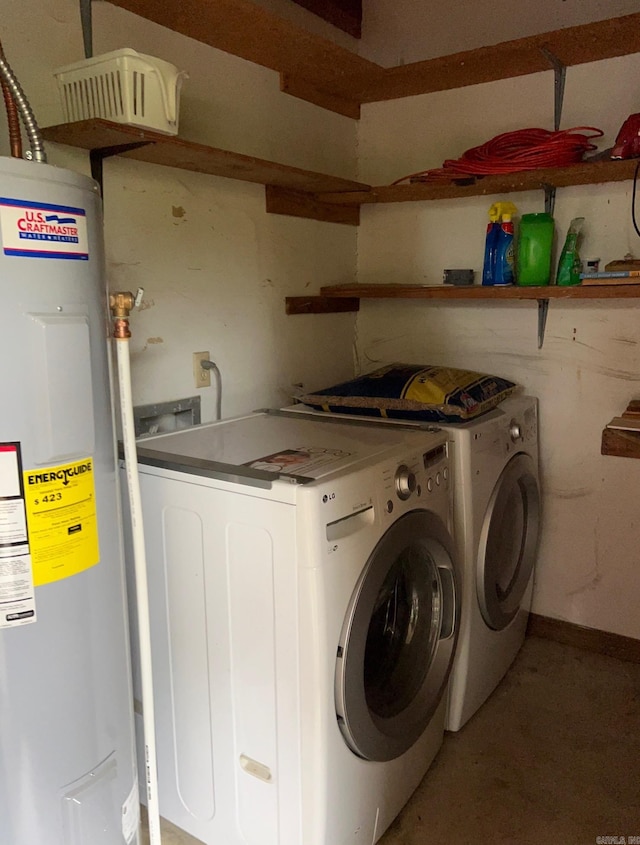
(569, 264)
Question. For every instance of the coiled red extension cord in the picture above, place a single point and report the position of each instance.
(525, 149)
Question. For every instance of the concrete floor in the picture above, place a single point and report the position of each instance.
(552, 757)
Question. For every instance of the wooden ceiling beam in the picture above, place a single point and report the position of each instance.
(244, 29)
(315, 69)
(345, 14)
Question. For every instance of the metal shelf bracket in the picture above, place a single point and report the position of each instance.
(559, 76)
(543, 310)
(87, 27)
(97, 156)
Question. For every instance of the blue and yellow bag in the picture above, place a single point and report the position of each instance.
(415, 392)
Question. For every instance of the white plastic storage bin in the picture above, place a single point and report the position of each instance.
(123, 86)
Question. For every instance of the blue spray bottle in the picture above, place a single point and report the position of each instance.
(499, 256)
(490, 246)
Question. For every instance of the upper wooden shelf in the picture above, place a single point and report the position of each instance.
(304, 193)
(170, 151)
(573, 45)
(476, 292)
(583, 173)
(316, 69)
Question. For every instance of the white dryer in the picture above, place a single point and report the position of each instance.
(304, 609)
(497, 523)
(497, 526)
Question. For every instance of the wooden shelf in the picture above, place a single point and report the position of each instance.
(171, 151)
(583, 173)
(573, 45)
(289, 190)
(304, 193)
(316, 69)
(352, 294)
(480, 292)
(620, 442)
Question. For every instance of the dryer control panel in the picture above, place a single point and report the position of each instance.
(405, 482)
(425, 473)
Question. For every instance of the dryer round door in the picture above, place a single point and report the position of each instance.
(398, 638)
(508, 542)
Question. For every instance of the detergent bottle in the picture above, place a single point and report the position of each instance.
(499, 238)
(490, 246)
(505, 253)
(533, 265)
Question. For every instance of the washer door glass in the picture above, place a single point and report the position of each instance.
(508, 542)
(398, 639)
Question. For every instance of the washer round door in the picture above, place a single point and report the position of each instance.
(398, 638)
(508, 542)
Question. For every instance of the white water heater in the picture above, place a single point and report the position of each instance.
(67, 760)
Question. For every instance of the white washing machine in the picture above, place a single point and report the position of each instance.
(497, 524)
(304, 609)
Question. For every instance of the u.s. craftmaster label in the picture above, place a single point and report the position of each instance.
(43, 230)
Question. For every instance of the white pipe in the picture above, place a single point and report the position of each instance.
(212, 367)
(142, 596)
(218, 380)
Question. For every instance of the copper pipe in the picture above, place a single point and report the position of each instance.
(15, 137)
(121, 330)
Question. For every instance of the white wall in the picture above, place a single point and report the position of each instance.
(215, 267)
(397, 32)
(589, 367)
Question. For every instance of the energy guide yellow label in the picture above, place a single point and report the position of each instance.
(62, 521)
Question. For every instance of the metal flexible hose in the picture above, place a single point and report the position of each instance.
(31, 127)
(13, 120)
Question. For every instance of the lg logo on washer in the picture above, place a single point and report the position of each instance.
(328, 497)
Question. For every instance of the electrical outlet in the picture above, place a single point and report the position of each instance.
(201, 377)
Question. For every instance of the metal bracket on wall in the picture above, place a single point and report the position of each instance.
(559, 76)
(97, 156)
(543, 310)
(549, 197)
(87, 27)
(543, 304)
